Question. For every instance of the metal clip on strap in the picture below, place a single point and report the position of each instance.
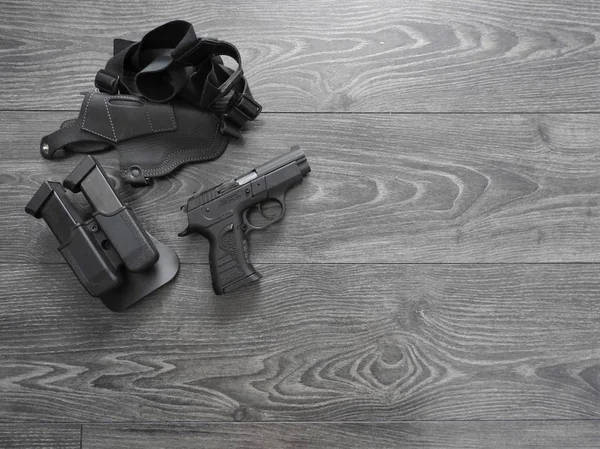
(107, 82)
(244, 109)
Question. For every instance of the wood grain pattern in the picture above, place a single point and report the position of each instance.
(395, 302)
(40, 436)
(441, 188)
(402, 56)
(307, 343)
(447, 435)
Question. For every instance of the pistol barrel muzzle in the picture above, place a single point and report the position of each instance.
(294, 155)
(298, 155)
(303, 166)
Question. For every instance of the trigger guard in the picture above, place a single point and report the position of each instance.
(247, 225)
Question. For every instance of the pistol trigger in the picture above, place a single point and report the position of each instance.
(260, 211)
(273, 218)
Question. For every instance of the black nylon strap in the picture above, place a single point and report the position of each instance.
(171, 61)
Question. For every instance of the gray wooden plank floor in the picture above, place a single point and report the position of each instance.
(434, 284)
(311, 342)
(39, 436)
(459, 435)
(384, 189)
(348, 55)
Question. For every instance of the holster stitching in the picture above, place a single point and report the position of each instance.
(148, 115)
(191, 159)
(93, 131)
(110, 119)
(85, 110)
(171, 116)
(161, 166)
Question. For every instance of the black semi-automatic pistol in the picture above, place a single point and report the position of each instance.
(221, 215)
(111, 254)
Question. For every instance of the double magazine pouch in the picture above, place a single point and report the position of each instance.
(111, 254)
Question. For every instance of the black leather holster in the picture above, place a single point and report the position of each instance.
(153, 139)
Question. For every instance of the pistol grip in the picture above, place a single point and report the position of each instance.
(229, 260)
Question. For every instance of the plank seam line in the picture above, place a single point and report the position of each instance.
(240, 423)
(372, 112)
(20, 263)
